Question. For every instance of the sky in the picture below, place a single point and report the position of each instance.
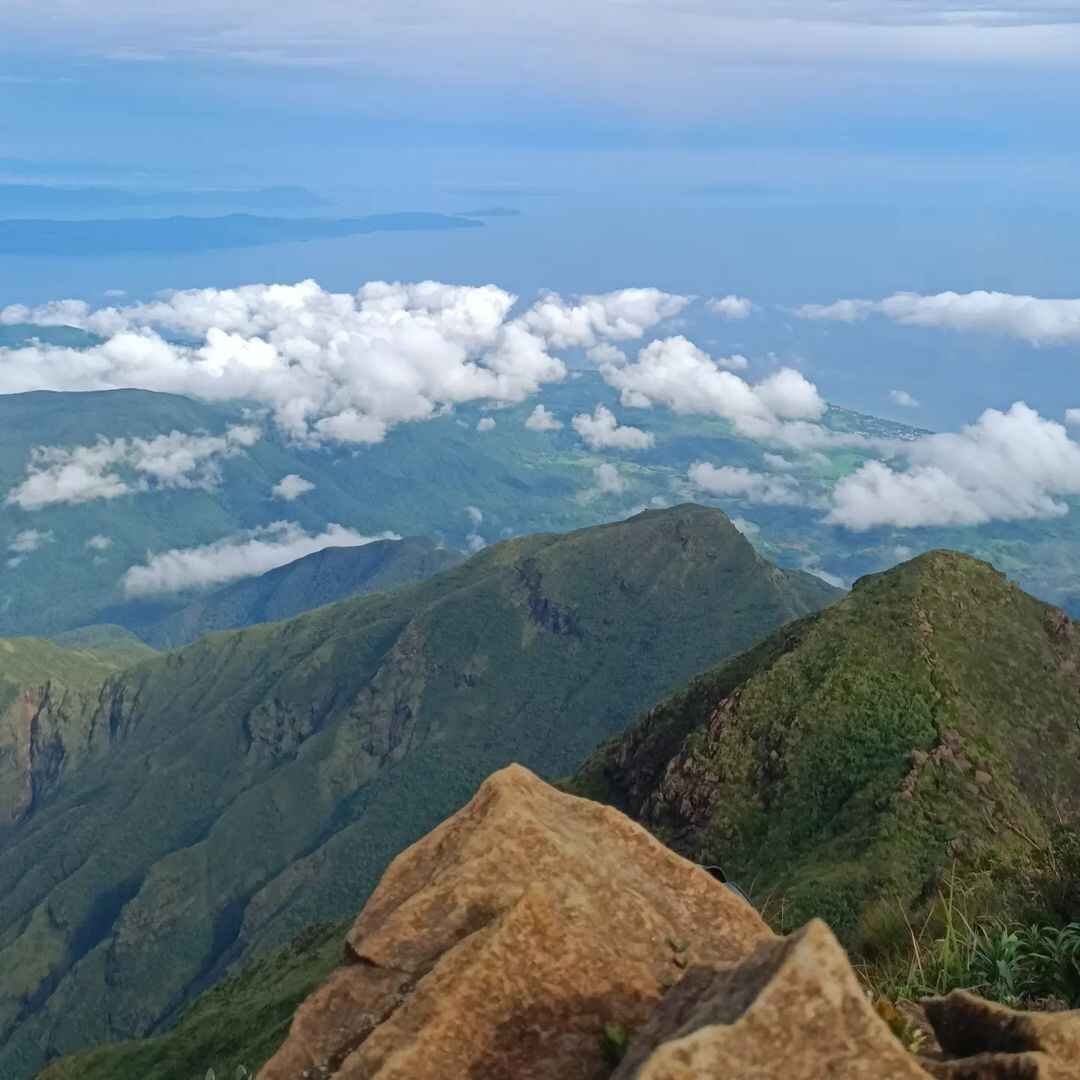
(701, 93)
(875, 197)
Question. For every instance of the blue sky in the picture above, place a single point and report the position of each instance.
(787, 150)
(429, 93)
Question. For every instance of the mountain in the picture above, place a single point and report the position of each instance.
(925, 728)
(262, 779)
(427, 479)
(316, 580)
(534, 935)
(45, 691)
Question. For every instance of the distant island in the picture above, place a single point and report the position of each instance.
(178, 234)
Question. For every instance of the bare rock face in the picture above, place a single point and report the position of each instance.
(793, 1011)
(991, 1042)
(503, 943)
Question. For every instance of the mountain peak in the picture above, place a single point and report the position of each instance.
(863, 751)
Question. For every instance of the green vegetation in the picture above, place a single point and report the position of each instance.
(114, 642)
(236, 1025)
(931, 719)
(419, 482)
(45, 691)
(260, 780)
(311, 582)
(955, 948)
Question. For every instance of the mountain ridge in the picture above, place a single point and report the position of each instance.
(843, 766)
(247, 765)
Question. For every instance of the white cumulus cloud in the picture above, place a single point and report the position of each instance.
(1072, 417)
(331, 366)
(110, 468)
(903, 399)
(29, 540)
(99, 543)
(607, 480)
(754, 487)
(594, 320)
(540, 419)
(675, 373)
(291, 487)
(602, 431)
(485, 423)
(1038, 320)
(731, 307)
(245, 555)
(1007, 466)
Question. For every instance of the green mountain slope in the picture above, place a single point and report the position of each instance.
(316, 580)
(45, 692)
(928, 721)
(238, 1023)
(422, 481)
(262, 779)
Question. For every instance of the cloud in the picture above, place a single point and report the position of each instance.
(1007, 466)
(542, 420)
(607, 480)
(475, 515)
(1072, 417)
(811, 567)
(731, 307)
(99, 543)
(29, 540)
(1030, 318)
(291, 487)
(593, 320)
(601, 431)
(903, 399)
(80, 474)
(754, 487)
(331, 366)
(747, 528)
(485, 423)
(675, 373)
(245, 555)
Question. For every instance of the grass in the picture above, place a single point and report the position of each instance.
(1031, 965)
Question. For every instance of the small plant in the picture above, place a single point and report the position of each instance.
(1052, 960)
(614, 1040)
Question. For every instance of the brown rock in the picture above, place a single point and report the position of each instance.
(994, 1042)
(501, 944)
(1003, 1067)
(792, 1011)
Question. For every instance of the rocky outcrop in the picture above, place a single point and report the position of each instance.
(794, 1010)
(991, 1042)
(507, 941)
(537, 936)
(45, 732)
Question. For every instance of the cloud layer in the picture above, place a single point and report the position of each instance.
(291, 487)
(246, 555)
(332, 366)
(1007, 466)
(602, 431)
(754, 487)
(111, 468)
(675, 373)
(1030, 318)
